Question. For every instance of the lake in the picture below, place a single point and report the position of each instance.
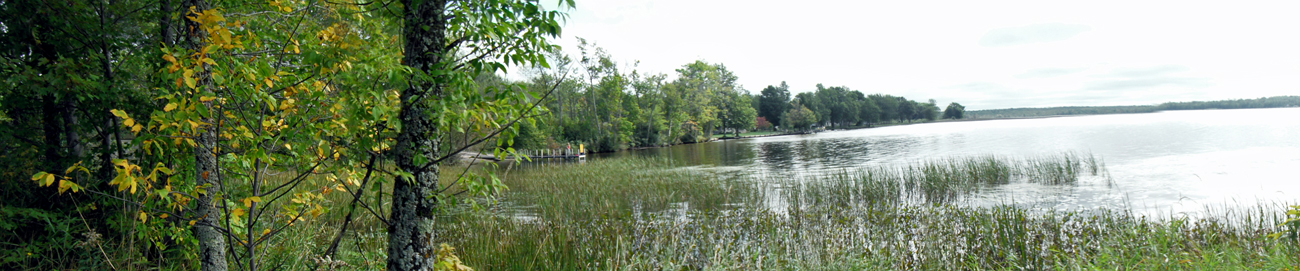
(1173, 162)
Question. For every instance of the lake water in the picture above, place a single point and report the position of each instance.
(1171, 162)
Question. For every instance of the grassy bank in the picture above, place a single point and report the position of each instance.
(637, 214)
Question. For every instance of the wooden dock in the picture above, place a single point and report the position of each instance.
(534, 155)
(580, 153)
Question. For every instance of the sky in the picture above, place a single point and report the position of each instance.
(982, 54)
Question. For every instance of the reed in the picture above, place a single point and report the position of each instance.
(878, 237)
(650, 214)
(638, 214)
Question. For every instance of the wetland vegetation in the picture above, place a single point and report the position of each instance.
(648, 214)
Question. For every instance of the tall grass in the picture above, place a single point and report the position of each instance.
(621, 187)
(937, 181)
(925, 237)
(650, 214)
(639, 214)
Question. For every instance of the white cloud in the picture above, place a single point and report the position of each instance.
(1034, 33)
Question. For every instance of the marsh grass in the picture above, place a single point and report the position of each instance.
(650, 214)
(621, 187)
(639, 214)
(880, 237)
(936, 181)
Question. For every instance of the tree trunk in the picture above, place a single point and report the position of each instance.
(212, 244)
(167, 34)
(52, 127)
(410, 229)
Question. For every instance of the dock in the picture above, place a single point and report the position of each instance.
(534, 155)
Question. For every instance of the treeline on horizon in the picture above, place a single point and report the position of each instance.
(1264, 102)
(596, 103)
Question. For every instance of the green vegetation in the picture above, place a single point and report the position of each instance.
(1058, 111)
(1269, 102)
(597, 104)
(195, 134)
(630, 214)
(798, 119)
(286, 134)
(954, 111)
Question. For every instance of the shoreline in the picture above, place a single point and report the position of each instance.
(725, 138)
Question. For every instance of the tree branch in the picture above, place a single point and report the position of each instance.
(503, 127)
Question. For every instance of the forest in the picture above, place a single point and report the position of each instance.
(598, 104)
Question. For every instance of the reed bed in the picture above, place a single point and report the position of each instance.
(937, 181)
(882, 237)
(645, 214)
(621, 187)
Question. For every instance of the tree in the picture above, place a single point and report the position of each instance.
(447, 44)
(954, 111)
(888, 106)
(774, 101)
(906, 110)
(736, 112)
(929, 110)
(813, 103)
(868, 112)
(799, 118)
(761, 123)
(702, 87)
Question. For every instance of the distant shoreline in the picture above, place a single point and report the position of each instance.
(725, 138)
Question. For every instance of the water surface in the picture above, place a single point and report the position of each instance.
(1166, 162)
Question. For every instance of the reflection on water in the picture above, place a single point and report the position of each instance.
(1170, 162)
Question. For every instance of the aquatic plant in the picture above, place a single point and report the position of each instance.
(639, 214)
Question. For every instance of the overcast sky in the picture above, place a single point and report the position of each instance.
(982, 54)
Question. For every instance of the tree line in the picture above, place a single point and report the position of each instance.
(1263, 102)
(602, 104)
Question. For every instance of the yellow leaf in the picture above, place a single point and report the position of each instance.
(207, 98)
(129, 122)
(169, 58)
(192, 222)
(237, 213)
(266, 231)
(63, 186)
(143, 217)
(188, 73)
(49, 179)
(119, 113)
(170, 107)
(248, 202)
(137, 128)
